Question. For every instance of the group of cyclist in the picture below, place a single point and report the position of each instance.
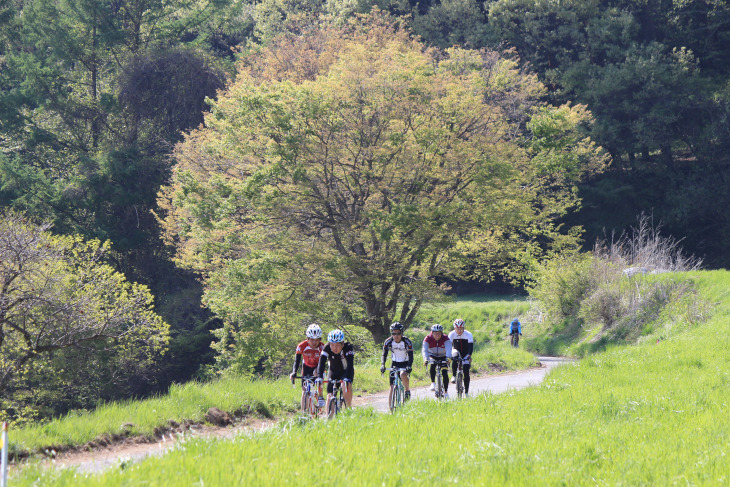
(338, 356)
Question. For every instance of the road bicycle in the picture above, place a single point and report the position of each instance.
(397, 390)
(459, 377)
(441, 364)
(310, 400)
(338, 399)
(514, 339)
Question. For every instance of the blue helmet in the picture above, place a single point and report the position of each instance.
(437, 327)
(336, 336)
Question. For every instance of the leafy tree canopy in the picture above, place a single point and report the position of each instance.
(344, 170)
(55, 295)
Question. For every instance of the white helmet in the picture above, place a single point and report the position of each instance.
(314, 331)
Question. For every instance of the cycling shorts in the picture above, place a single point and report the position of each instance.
(397, 365)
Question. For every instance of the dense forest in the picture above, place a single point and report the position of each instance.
(96, 98)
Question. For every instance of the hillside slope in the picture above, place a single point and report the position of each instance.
(652, 414)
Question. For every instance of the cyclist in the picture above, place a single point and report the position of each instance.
(436, 345)
(340, 355)
(462, 346)
(515, 327)
(308, 352)
(402, 358)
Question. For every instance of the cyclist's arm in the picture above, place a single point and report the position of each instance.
(297, 363)
(424, 350)
(469, 346)
(385, 353)
(350, 359)
(447, 346)
(322, 364)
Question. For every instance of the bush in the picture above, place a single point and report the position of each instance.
(619, 293)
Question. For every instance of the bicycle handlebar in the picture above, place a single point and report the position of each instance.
(303, 377)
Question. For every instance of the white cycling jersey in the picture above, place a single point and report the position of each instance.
(398, 349)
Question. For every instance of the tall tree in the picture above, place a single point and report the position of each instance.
(340, 187)
(56, 294)
(91, 104)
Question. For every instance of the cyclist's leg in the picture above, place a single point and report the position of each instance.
(406, 380)
(347, 393)
(392, 380)
(467, 378)
(432, 371)
(330, 404)
(445, 375)
(454, 363)
(316, 392)
(330, 394)
(404, 374)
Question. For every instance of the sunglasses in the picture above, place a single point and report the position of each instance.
(396, 333)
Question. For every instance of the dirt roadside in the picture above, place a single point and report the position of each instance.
(134, 449)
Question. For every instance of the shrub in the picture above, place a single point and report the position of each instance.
(616, 294)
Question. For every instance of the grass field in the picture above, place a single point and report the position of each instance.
(653, 414)
(264, 398)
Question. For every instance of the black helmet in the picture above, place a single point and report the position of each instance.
(396, 326)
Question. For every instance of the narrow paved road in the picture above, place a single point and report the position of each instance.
(494, 384)
(101, 460)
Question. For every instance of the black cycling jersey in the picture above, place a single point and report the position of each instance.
(341, 365)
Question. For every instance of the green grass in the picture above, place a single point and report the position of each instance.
(478, 311)
(652, 414)
(183, 402)
(264, 398)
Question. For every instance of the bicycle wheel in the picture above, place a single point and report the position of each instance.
(397, 399)
(459, 384)
(332, 408)
(340, 401)
(391, 401)
(439, 385)
(313, 406)
(305, 404)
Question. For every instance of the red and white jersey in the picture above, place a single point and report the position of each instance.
(310, 355)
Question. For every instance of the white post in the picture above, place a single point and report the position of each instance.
(6, 447)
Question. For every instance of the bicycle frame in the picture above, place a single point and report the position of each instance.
(311, 396)
(398, 390)
(338, 400)
(459, 377)
(441, 364)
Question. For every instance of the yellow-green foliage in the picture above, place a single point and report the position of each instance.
(653, 414)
